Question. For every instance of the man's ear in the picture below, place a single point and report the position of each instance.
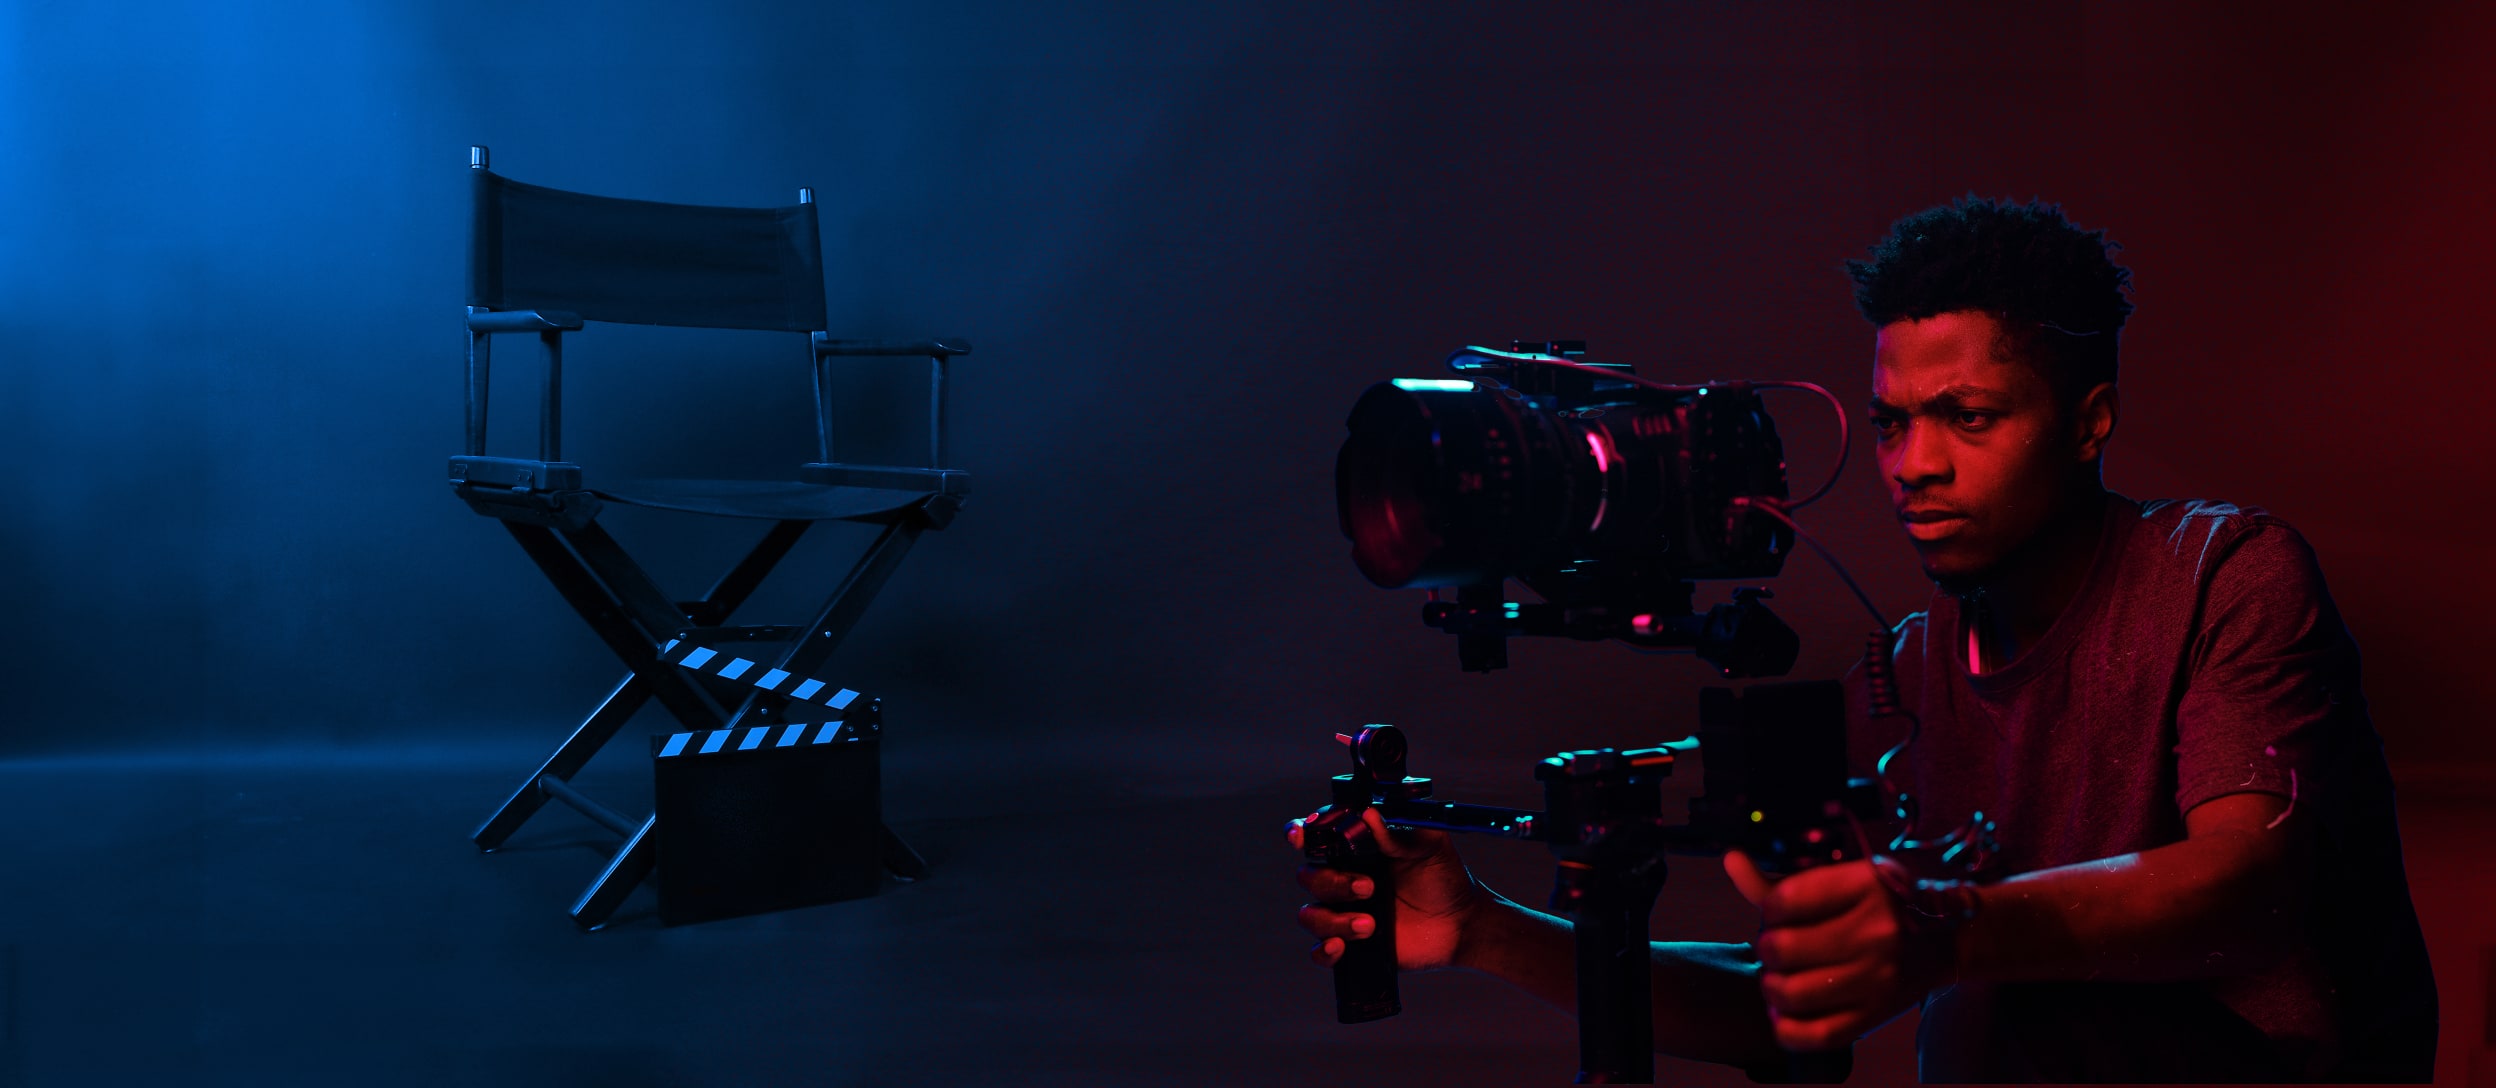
(2094, 420)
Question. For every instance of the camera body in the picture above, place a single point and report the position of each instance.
(1603, 494)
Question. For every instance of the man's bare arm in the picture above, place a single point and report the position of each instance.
(2224, 901)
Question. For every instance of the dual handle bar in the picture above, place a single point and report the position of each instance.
(1605, 825)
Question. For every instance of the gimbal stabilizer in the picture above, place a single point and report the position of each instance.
(1775, 786)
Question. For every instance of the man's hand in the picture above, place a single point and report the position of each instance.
(1838, 956)
(1434, 898)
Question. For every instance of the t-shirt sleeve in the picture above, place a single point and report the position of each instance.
(2266, 650)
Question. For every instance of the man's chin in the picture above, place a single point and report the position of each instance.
(1955, 585)
(1955, 574)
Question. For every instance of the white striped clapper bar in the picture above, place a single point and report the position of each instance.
(806, 698)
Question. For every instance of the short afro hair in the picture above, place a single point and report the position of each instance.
(2055, 288)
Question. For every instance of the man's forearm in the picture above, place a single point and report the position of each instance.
(2203, 907)
(1707, 1002)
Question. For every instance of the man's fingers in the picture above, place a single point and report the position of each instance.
(1827, 943)
(1322, 922)
(1823, 892)
(1335, 885)
(1324, 953)
(1823, 1009)
(1814, 1034)
(1747, 878)
(1823, 991)
(1291, 831)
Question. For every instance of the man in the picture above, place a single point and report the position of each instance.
(2199, 876)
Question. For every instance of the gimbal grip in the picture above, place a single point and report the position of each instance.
(1365, 982)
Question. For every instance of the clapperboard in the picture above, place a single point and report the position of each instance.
(768, 817)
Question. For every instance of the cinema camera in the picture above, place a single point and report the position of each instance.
(1607, 495)
(1604, 494)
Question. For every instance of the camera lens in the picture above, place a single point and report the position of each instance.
(1441, 487)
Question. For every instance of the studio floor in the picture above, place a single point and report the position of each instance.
(320, 917)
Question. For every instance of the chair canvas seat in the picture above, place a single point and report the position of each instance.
(772, 500)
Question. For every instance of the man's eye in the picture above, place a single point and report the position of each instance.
(1884, 424)
(1972, 420)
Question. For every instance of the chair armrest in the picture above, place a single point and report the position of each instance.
(513, 472)
(524, 321)
(942, 348)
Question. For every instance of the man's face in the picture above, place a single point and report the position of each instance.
(1975, 451)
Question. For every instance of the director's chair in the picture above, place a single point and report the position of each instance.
(546, 261)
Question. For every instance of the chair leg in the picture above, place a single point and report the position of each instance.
(624, 872)
(620, 706)
(900, 859)
(857, 590)
(733, 587)
(628, 591)
(597, 600)
(612, 620)
(626, 583)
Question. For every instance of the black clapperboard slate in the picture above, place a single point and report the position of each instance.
(766, 818)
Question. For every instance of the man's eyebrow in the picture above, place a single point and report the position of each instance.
(1947, 397)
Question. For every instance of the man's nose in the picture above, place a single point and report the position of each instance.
(1923, 457)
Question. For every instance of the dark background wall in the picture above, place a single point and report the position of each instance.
(1183, 238)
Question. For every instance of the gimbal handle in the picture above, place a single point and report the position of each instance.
(1337, 837)
(1365, 976)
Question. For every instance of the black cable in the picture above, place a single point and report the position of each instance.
(1845, 440)
(1777, 510)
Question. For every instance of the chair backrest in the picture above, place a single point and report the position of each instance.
(642, 262)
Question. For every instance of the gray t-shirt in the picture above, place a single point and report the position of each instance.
(2202, 657)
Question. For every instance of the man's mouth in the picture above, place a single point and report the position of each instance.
(1930, 523)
